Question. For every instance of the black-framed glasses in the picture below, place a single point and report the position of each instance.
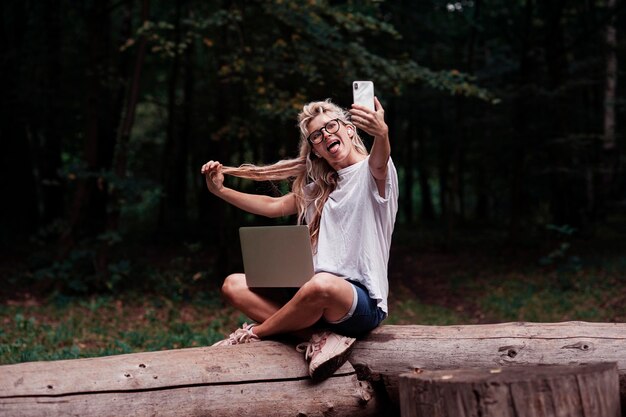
(331, 126)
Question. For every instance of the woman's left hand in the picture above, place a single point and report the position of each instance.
(371, 122)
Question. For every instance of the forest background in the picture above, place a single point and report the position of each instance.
(505, 127)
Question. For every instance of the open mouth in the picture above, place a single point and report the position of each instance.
(333, 146)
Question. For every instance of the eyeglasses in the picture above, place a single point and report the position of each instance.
(330, 127)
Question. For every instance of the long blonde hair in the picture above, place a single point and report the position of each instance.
(306, 168)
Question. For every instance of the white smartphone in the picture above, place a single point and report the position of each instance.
(363, 93)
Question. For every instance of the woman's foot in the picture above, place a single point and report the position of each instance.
(326, 352)
(242, 335)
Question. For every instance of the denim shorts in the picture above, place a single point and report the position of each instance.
(366, 316)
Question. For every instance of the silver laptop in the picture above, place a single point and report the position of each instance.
(276, 256)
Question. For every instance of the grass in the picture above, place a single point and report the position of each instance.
(412, 311)
(590, 295)
(594, 294)
(70, 328)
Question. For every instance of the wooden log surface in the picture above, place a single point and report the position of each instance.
(529, 391)
(391, 350)
(278, 374)
(265, 378)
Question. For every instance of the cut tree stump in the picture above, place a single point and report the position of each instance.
(532, 391)
(390, 350)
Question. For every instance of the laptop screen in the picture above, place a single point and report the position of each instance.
(276, 256)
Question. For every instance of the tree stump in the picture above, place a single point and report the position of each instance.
(389, 351)
(532, 391)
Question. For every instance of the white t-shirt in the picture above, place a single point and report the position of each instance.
(356, 228)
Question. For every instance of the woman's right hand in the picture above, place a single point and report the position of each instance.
(213, 176)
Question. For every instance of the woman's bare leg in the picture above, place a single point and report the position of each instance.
(236, 291)
(325, 295)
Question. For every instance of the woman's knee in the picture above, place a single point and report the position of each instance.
(322, 286)
(233, 284)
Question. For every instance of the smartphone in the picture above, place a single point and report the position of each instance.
(363, 93)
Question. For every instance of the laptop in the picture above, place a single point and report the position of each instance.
(276, 256)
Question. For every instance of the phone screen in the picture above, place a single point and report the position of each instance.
(363, 93)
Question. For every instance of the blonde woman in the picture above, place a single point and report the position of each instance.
(349, 201)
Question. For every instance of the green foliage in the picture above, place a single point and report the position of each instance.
(280, 51)
(136, 195)
(73, 273)
(117, 272)
(559, 256)
(79, 271)
(77, 274)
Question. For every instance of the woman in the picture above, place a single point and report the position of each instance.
(349, 200)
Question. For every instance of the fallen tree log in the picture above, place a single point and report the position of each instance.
(390, 350)
(271, 378)
(265, 378)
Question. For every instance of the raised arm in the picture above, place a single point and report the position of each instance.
(373, 123)
(253, 203)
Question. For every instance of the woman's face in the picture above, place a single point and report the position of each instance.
(336, 148)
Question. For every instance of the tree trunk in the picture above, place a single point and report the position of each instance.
(270, 378)
(564, 188)
(428, 208)
(608, 165)
(116, 143)
(121, 148)
(49, 162)
(481, 210)
(172, 217)
(187, 129)
(611, 76)
(258, 379)
(18, 216)
(533, 391)
(445, 199)
(408, 161)
(520, 134)
(87, 213)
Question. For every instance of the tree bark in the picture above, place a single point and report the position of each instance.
(121, 149)
(49, 161)
(18, 216)
(408, 161)
(259, 379)
(422, 137)
(173, 210)
(533, 391)
(87, 214)
(608, 165)
(520, 122)
(564, 187)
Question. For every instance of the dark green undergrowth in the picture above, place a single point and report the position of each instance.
(76, 327)
(590, 295)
